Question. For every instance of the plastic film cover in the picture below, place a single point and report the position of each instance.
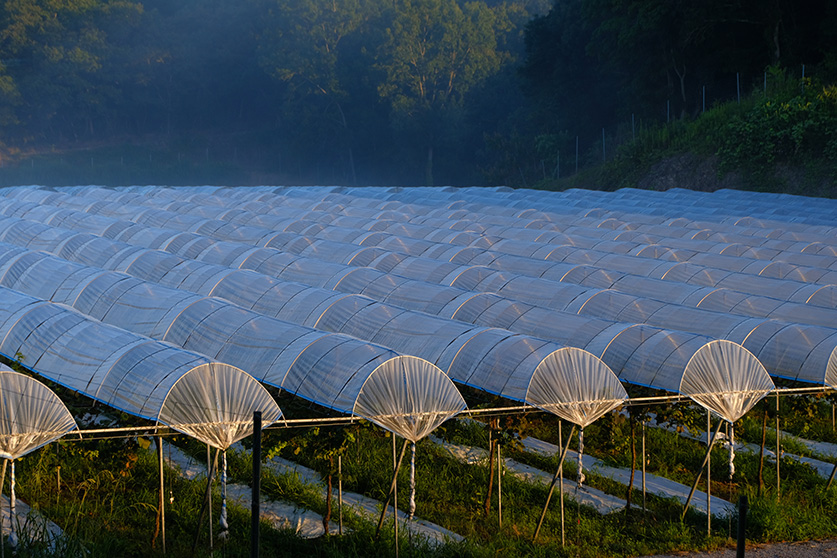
(408, 396)
(576, 386)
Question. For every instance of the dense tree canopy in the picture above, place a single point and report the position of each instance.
(383, 91)
(616, 57)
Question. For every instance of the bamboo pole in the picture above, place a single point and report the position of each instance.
(340, 493)
(499, 487)
(708, 476)
(558, 475)
(643, 467)
(255, 498)
(697, 478)
(395, 466)
(206, 501)
(561, 485)
(831, 478)
(392, 487)
(161, 503)
(209, 492)
(778, 450)
(761, 452)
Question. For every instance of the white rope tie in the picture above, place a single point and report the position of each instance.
(12, 514)
(223, 519)
(412, 481)
(581, 476)
(731, 452)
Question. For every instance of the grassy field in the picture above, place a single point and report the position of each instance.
(107, 500)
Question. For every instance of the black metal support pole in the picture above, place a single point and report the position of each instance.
(743, 506)
(255, 498)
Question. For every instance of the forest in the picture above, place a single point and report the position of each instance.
(406, 92)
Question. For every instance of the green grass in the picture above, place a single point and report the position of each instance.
(782, 140)
(107, 502)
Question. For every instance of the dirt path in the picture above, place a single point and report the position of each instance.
(807, 549)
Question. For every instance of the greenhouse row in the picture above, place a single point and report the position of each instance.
(180, 304)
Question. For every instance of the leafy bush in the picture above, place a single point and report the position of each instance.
(791, 125)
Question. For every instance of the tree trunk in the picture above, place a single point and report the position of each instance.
(777, 52)
(428, 169)
(681, 76)
(350, 151)
(352, 166)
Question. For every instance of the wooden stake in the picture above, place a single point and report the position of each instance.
(392, 488)
(708, 477)
(340, 493)
(697, 478)
(778, 450)
(161, 502)
(499, 487)
(643, 467)
(761, 452)
(558, 475)
(255, 497)
(395, 467)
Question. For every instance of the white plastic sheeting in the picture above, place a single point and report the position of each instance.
(187, 406)
(608, 304)
(485, 218)
(402, 385)
(583, 393)
(635, 358)
(132, 373)
(721, 365)
(31, 415)
(469, 354)
(335, 371)
(628, 280)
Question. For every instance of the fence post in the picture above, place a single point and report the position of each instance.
(603, 146)
(255, 510)
(576, 154)
(742, 526)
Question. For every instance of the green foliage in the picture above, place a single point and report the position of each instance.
(435, 51)
(783, 128)
(107, 500)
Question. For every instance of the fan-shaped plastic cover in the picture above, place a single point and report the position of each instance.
(725, 378)
(831, 370)
(576, 386)
(214, 403)
(31, 415)
(409, 396)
